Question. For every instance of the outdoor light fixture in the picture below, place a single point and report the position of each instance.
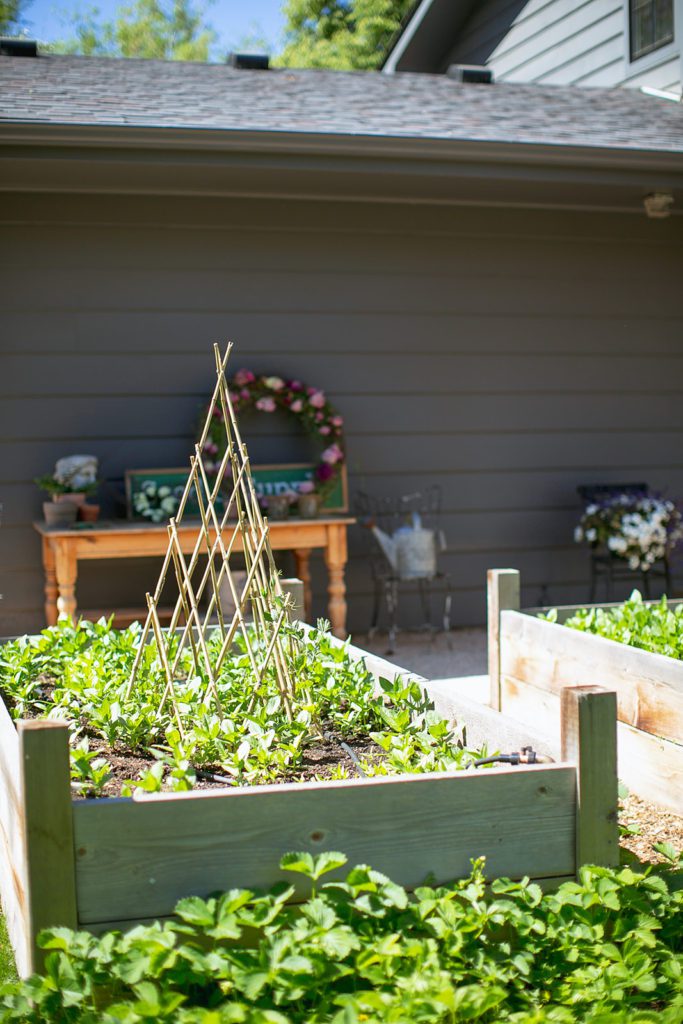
(658, 204)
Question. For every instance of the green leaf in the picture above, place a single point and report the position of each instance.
(670, 852)
(302, 863)
(472, 1001)
(196, 911)
(313, 868)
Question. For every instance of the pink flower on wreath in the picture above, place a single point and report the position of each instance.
(324, 471)
(266, 404)
(337, 421)
(325, 430)
(316, 398)
(211, 447)
(332, 455)
(297, 405)
(243, 377)
(319, 417)
(245, 394)
(295, 385)
(306, 487)
(274, 383)
(217, 413)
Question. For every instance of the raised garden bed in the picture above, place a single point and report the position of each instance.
(532, 659)
(97, 864)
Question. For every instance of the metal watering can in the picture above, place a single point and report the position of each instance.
(410, 550)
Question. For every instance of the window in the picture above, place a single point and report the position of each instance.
(651, 24)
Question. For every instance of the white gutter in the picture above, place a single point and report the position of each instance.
(369, 147)
(661, 94)
(405, 38)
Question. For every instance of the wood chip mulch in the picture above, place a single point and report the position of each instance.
(655, 824)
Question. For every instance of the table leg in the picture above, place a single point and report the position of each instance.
(50, 582)
(66, 567)
(335, 559)
(303, 571)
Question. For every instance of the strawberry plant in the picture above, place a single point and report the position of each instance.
(80, 672)
(651, 627)
(606, 949)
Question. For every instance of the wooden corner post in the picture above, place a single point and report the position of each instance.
(503, 594)
(49, 863)
(589, 738)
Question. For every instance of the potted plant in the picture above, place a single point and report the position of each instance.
(308, 501)
(278, 505)
(637, 528)
(74, 477)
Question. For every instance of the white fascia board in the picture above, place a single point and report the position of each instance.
(411, 28)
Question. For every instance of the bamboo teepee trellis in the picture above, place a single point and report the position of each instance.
(230, 523)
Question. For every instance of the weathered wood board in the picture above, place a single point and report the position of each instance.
(12, 850)
(502, 592)
(589, 739)
(135, 858)
(647, 765)
(532, 660)
(48, 828)
(649, 686)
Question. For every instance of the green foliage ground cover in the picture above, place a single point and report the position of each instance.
(651, 627)
(79, 673)
(7, 969)
(604, 950)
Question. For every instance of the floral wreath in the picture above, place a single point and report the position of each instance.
(318, 418)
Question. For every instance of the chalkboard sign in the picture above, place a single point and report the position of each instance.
(270, 480)
(153, 495)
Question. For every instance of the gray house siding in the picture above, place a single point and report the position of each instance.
(561, 42)
(507, 354)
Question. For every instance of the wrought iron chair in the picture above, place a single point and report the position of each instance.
(605, 565)
(388, 514)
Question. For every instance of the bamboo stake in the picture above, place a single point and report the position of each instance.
(161, 648)
(238, 604)
(233, 485)
(193, 604)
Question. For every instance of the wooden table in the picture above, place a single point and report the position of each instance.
(63, 549)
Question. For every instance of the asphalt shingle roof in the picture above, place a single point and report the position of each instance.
(100, 91)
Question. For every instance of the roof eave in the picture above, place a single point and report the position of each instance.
(40, 155)
(283, 141)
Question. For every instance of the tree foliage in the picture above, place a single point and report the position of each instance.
(10, 12)
(341, 34)
(145, 28)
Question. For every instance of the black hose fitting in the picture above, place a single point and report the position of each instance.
(527, 755)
